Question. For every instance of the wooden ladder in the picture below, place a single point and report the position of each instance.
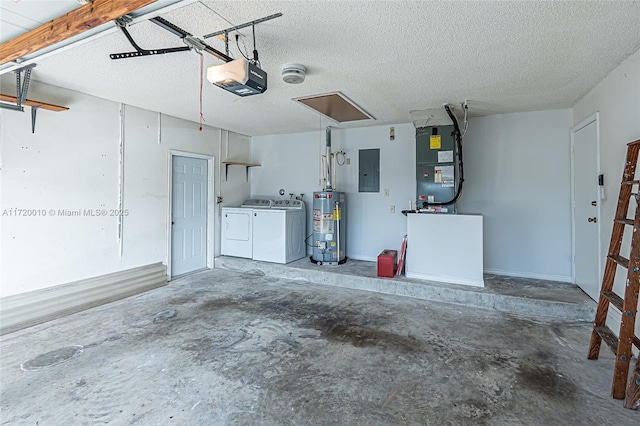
(621, 345)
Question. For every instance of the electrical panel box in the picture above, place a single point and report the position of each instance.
(436, 170)
(369, 170)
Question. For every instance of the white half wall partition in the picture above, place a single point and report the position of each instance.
(445, 248)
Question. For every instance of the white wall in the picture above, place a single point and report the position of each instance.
(617, 99)
(517, 175)
(72, 162)
(235, 187)
(517, 170)
(291, 162)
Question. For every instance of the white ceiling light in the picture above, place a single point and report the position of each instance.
(293, 73)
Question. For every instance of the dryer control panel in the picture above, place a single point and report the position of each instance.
(257, 203)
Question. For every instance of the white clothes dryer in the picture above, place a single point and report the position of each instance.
(237, 227)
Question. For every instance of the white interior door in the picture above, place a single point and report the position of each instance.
(189, 215)
(585, 209)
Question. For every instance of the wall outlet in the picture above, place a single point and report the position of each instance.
(392, 209)
(386, 192)
(348, 161)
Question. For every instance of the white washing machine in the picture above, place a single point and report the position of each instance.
(237, 227)
(279, 232)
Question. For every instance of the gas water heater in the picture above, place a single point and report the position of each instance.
(328, 228)
(329, 236)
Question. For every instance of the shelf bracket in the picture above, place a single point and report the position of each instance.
(34, 110)
(246, 166)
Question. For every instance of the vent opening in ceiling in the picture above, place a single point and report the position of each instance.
(335, 106)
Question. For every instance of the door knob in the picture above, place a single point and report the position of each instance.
(593, 203)
(593, 219)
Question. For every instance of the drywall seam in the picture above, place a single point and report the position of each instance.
(121, 178)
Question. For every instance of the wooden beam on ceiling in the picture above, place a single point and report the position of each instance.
(77, 21)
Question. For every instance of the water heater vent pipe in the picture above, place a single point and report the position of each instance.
(327, 171)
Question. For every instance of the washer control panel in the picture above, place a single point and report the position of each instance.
(288, 204)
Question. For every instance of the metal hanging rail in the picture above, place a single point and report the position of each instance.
(246, 24)
(188, 38)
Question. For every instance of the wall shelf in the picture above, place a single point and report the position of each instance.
(238, 163)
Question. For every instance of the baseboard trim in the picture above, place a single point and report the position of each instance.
(360, 257)
(548, 277)
(35, 307)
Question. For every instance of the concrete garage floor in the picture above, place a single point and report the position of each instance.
(516, 295)
(225, 347)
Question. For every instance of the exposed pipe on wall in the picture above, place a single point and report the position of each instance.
(327, 171)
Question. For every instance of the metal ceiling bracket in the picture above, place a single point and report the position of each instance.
(122, 24)
(21, 92)
(22, 87)
(34, 110)
(193, 43)
(124, 20)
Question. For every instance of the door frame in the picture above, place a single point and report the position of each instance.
(210, 205)
(595, 117)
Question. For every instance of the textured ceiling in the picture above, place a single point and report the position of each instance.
(16, 16)
(389, 57)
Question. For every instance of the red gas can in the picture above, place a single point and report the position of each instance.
(387, 263)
